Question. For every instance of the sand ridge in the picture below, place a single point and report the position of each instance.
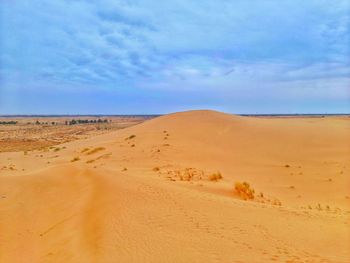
(147, 194)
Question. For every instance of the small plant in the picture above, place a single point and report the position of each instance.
(215, 177)
(75, 159)
(124, 169)
(85, 150)
(287, 166)
(57, 149)
(244, 190)
(132, 145)
(277, 202)
(156, 169)
(131, 137)
(90, 161)
(95, 150)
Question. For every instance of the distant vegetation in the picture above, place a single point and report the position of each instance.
(73, 122)
(8, 122)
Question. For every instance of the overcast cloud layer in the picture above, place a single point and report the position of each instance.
(244, 56)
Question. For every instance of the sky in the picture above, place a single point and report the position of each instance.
(156, 57)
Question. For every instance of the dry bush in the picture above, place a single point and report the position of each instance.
(244, 190)
(90, 161)
(57, 149)
(277, 202)
(131, 137)
(75, 159)
(215, 177)
(156, 169)
(95, 150)
(85, 150)
(132, 145)
(287, 166)
(187, 174)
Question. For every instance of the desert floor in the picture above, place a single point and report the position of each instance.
(152, 193)
(33, 133)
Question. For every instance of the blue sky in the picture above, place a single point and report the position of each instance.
(120, 57)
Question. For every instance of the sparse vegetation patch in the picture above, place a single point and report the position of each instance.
(95, 150)
(75, 159)
(215, 177)
(131, 137)
(244, 190)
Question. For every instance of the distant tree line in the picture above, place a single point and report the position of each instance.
(73, 122)
(8, 122)
(46, 123)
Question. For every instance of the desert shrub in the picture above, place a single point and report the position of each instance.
(131, 137)
(75, 159)
(57, 149)
(215, 176)
(244, 190)
(95, 150)
(277, 202)
(156, 169)
(85, 150)
(287, 166)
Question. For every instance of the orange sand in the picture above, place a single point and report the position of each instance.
(149, 197)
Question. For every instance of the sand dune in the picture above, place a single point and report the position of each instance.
(151, 193)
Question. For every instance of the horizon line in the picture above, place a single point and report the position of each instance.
(155, 115)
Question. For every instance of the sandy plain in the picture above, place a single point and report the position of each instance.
(164, 191)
